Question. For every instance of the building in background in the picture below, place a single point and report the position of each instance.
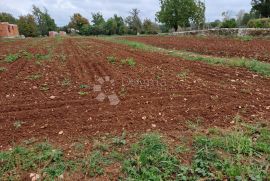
(54, 33)
(8, 30)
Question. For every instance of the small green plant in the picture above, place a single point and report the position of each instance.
(17, 124)
(119, 141)
(12, 58)
(27, 55)
(181, 149)
(93, 165)
(83, 86)
(129, 61)
(82, 93)
(183, 74)
(111, 59)
(66, 82)
(42, 57)
(3, 69)
(44, 87)
(34, 77)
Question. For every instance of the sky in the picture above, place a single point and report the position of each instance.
(62, 10)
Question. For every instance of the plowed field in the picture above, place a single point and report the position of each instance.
(225, 47)
(53, 87)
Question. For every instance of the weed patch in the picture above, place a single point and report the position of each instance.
(12, 58)
(111, 59)
(34, 77)
(3, 69)
(129, 61)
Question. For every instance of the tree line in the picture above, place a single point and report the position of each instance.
(172, 15)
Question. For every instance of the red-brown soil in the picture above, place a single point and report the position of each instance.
(218, 46)
(212, 94)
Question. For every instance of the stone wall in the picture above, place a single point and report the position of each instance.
(228, 32)
(8, 30)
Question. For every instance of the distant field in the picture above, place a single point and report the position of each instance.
(93, 98)
(247, 47)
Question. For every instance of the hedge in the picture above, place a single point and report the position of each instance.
(259, 23)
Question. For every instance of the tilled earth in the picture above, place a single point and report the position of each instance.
(40, 99)
(218, 46)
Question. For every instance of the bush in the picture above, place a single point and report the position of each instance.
(231, 23)
(259, 23)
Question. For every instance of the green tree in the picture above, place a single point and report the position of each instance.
(98, 24)
(44, 21)
(150, 27)
(134, 22)
(121, 27)
(230, 23)
(199, 16)
(175, 13)
(261, 6)
(27, 26)
(215, 23)
(6, 17)
(77, 21)
(97, 19)
(111, 26)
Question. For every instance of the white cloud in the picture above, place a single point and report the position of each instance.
(61, 10)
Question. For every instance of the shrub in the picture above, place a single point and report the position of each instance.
(259, 23)
(231, 23)
(12, 58)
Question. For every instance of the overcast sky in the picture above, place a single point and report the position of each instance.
(61, 10)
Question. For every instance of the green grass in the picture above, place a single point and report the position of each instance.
(232, 154)
(12, 58)
(93, 165)
(3, 69)
(22, 160)
(262, 68)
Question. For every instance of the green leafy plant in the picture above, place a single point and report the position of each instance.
(83, 86)
(12, 58)
(119, 141)
(93, 164)
(44, 87)
(111, 59)
(129, 61)
(66, 82)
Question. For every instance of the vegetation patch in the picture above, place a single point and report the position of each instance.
(252, 65)
(111, 59)
(129, 61)
(3, 69)
(12, 58)
(240, 153)
(34, 77)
